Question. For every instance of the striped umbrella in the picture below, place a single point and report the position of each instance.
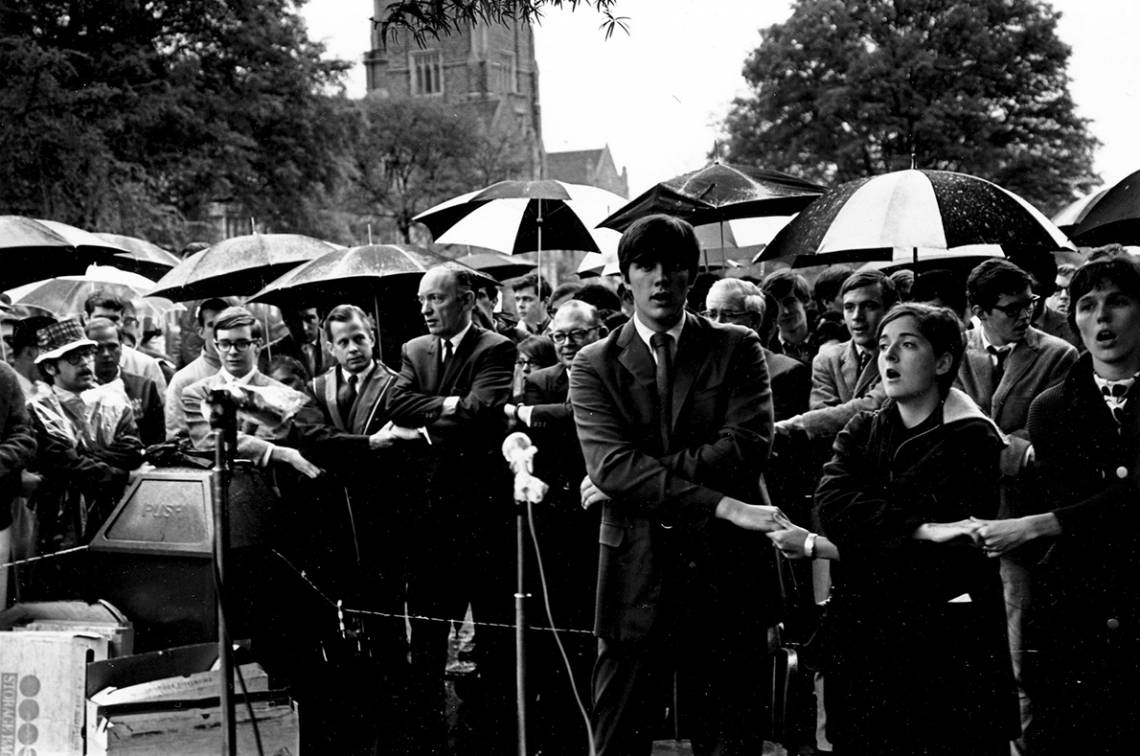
(914, 215)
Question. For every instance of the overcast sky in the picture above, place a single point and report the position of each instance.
(657, 95)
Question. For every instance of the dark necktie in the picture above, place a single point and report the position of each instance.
(346, 396)
(662, 348)
(1000, 355)
(864, 360)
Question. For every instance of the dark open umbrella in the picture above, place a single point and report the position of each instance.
(379, 277)
(32, 250)
(141, 257)
(719, 192)
(497, 265)
(913, 215)
(238, 266)
(1112, 216)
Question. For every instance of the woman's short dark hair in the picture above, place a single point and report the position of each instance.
(290, 365)
(938, 325)
(539, 350)
(1111, 264)
(659, 239)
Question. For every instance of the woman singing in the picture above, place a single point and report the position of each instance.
(918, 660)
(1083, 623)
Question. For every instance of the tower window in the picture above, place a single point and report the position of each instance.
(427, 72)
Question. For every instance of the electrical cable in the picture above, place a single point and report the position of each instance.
(554, 630)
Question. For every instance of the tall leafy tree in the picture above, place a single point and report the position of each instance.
(407, 154)
(435, 18)
(848, 88)
(133, 115)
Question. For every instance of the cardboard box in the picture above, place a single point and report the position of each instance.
(74, 617)
(166, 702)
(42, 691)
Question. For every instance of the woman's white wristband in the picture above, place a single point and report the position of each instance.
(809, 545)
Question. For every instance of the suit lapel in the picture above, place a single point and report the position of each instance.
(849, 370)
(636, 358)
(431, 372)
(560, 383)
(331, 402)
(370, 393)
(1016, 365)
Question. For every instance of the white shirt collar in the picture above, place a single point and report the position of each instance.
(645, 333)
(986, 343)
(457, 339)
(227, 377)
(361, 376)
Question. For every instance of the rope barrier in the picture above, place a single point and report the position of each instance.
(43, 557)
(339, 607)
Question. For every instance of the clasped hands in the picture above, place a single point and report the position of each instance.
(741, 514)
(995, 537)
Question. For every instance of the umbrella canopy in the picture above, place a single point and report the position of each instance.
(239, 266)
(141, 256)
(1111, 216)
(497, 265)
(355, 273)
(65, 295)
(515, 217)
(719, 192)
(913, 214)
(34, 249)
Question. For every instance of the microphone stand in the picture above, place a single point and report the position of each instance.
(223, 419)
(527, 490)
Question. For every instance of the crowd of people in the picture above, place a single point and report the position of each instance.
(927, 483)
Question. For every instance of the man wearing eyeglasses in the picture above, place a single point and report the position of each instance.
(1008, 363)
(87, 446)
(567, 534)
(237, 337)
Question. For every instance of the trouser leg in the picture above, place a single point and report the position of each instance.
(624, 681)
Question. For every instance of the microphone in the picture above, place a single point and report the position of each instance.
(518, 450)
(519, 453)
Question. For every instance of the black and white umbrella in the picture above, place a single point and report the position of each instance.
(914, 215)
(515, 217)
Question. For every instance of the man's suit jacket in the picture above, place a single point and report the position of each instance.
(288, 346)
(339, 442)
(1038, 362)
(839, 391)
(1056, 324)
(791, 384)
(661, 543)
(480, 374)
(559, 461)
(253, 440)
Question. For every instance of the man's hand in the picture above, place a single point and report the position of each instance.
(941, 532)
(752, 516)
(591, 494)
(790, 541)
(293, 458)
(390, 434)
(1001, 536)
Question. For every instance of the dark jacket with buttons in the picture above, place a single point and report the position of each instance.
(1086, 593)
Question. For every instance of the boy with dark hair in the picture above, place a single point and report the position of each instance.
(532, 296)
(793, 298)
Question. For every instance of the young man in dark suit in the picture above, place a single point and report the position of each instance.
(674, 416)
(454, 382)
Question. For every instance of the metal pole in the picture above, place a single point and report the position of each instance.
(520, 626)
(220, 485)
